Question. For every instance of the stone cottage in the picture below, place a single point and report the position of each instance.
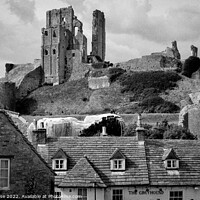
(23, 172)
(123, 168)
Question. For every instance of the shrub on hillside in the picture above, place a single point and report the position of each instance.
(191, 65)
(114, 73)
(113, 127)
(156, 104)
(140, 82)
(162, 130)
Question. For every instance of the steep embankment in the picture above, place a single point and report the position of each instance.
(149, 92)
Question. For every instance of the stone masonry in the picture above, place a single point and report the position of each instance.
(98, 34)
(62, 36)
(29, 174)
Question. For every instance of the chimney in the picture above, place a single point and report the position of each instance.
(35, 124)
(140, 131)
(40, 136)
(104, 131)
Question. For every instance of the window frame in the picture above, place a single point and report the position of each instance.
(8, 177)
(59, 160)
(117, 196)
(172, 164)
(83, 197)
(175, 197)
(115, 164)
(57, 195)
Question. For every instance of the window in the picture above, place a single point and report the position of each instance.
(54, 51)
(54, 33)
(82, 194)
(176, 195)
(4, 173)
(118, 164)
(73, 54)
(46, 33)
(172, 164)
(59, 164)
(46, 52)
(117, 194)
(57, 195)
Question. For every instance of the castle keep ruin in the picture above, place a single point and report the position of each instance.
(64, 46)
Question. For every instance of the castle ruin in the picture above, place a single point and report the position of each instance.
(64, 45)
(98, 34)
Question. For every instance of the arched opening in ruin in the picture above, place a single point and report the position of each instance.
(76, 30)
(54, 33)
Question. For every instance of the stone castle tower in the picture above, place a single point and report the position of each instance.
(98, 34)
(60, 46)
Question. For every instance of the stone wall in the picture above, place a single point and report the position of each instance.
(7, 96)
(98, 82)
(29, 173)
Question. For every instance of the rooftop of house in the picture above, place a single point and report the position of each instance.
(90, 157)
(6, 130)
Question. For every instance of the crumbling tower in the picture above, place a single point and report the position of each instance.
(98, 34)
(61, 48)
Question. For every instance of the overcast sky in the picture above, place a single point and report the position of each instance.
(133, 27)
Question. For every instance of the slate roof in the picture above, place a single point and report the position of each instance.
(98, 151)
(3, 128)
(188, 152)
(144, 161)
(82, 174)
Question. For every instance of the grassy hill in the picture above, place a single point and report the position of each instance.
(128, 93)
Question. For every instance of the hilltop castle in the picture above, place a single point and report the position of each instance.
(64, 45)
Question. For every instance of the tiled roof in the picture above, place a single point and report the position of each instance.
(98, 151)
(3, 128)
(188, 152)
(82, 175)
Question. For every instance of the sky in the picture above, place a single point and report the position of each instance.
(133, 27)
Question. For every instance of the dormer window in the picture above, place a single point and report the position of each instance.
(59, 161)
(118, 164)
(59, 164)
(117, 161)
(171, 160)
(172, 163)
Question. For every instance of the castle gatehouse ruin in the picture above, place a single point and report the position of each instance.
(64, 45)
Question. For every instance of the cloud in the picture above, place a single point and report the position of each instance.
(24, 9)
(181, 22)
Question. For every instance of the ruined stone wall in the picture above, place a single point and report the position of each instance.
(7, 96)
(30, 82)
(98, 82)
(77, 69)
(146, 63)
(154, 62)
(26, 77)
(98, 34)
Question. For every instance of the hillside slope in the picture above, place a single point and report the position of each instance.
(149, 92)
